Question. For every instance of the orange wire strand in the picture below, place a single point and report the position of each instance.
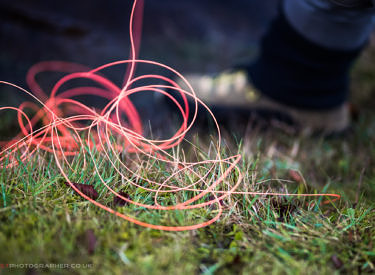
(61, 134)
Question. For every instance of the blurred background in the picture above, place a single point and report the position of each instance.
(188, 35)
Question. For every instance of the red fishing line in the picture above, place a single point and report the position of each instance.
(70, 127)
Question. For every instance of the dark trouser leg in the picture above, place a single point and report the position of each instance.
(307, 53)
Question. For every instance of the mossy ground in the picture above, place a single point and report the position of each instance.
(43, 222)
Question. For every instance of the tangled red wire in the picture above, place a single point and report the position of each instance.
(65, 121)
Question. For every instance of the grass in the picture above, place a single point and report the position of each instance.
(44, 222)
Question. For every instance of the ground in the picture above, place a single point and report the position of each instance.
(43, 221)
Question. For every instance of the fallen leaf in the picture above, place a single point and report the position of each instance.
(336, 262)
(295, 175)
(86, 189)
(350, 236)
(117, 201)
(90, 239)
